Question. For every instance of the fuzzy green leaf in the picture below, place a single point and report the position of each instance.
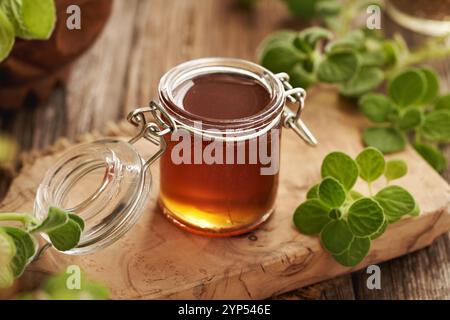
(412, 118)
(67, 236)
(25, 249)
(357, 251)
(432, 155)
(395, 169)
(281, 57)
(432, 86)
(332, 193)
(338, 67)
(336, 236)
(396, 202)
(408, 88)
(376, 107)
(365, 217)
(371, 164)
(311, 216)
(55, 218)
(387, 140)
(313, 192)
(436, 126)
(341, 167)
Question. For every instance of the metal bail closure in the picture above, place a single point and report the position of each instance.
(105, 182)
(292, 120)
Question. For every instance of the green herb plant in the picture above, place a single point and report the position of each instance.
(346, 220)
(358, 62)
(18, 245)
(410, 108)
(26, 19)
(55, 288)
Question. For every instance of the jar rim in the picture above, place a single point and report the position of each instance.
(194, 68)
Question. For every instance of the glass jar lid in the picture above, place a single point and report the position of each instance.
(105, 183)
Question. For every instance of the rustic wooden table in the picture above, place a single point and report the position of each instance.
(143, 39)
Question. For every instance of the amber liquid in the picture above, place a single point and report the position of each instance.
(219, 199)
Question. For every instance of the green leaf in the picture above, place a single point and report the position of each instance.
(313, 35)
(283, 36)
(395, 169)
(436, 126)
(380, 231)
(336, 236)
(299, 77)
(371, 164)
(55, 218)
(341, 167)
(281, 57)
(7, 36)
(365, 217)
(372, 59)
(411, 119)
(7, 253)
(78, 220)
(432, 155)
(366, 79)
(31, 19)
(432, 85)
(67, 236)
(313, 192)
(332, 193)
(376, 107)
(352, 41)
(395, 201)
(311, 216)
(408, 88)
(338, 67)
(386, 140)
(443, 103)
(25, 249)
(357, 251)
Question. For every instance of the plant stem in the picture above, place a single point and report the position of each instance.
(24, 218)
(369, 184)
(347, 16)
(432, 50)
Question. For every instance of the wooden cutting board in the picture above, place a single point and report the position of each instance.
(158, 260)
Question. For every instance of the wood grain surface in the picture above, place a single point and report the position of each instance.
(143, 39)
(158, 260)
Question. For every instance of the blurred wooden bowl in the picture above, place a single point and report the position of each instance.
(34, 68)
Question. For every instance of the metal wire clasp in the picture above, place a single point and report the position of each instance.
(161, 124)
(292, 120)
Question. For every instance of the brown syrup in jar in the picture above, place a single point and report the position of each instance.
(221, 198)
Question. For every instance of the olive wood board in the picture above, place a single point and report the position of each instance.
(157, 260)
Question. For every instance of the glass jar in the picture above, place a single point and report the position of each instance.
(202, 192)
(429, 17)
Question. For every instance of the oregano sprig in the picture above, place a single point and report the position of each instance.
(345, 220)
(18, 246)
(410, 109)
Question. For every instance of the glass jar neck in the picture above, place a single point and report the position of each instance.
(174, 79)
